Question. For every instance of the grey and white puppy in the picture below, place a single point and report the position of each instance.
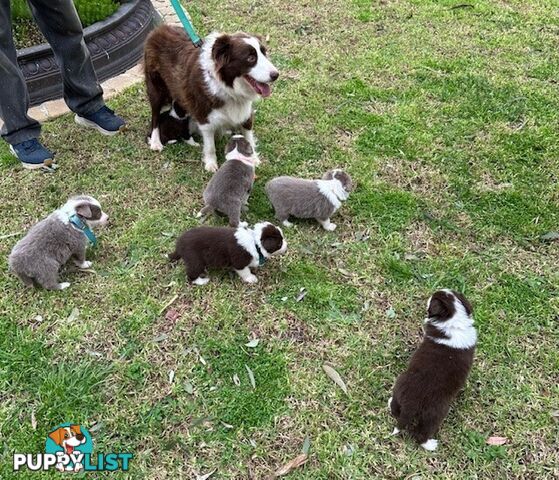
(37, 257)
(229, 188)
(318, 199)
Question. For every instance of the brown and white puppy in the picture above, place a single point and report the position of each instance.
(68, 438)
(229, 188)
(437, 370)
(37, 257)
(222, 247)
(318, 199)
(216, 84)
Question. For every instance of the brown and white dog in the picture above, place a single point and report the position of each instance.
(215, 84)
(437, 370)
(68, 438)
(223, 247)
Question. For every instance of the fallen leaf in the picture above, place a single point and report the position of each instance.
(93, 353)
(335, 377)
(97, 426)
(253, 343)
(227, 425)
(302, 294)
(172, 315)
(306, 446)
(236, 380)
(202, 360)
(189, 388)
(251, 376)
(348, 450)
(550, 236)
(171, 376)
(39, 318)
(74, 314)
(161, 337)
(496, 440)
(390, 313)
(345, 272)
(33, 420)
(292, 465)
(283, 299)
(555, 415)
(206, 476)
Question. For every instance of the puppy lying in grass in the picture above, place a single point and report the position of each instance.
(229, 188)
(64, 234)
(222, 247)
(318, 199)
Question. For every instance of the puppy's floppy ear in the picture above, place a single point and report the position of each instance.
(221, 51)
(76, 429)
(57, 436)
(271, 239)
(464, 301)
(83, 210)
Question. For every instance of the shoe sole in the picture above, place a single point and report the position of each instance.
(88, 123)
(33, 166)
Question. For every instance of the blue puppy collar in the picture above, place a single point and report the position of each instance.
(77, 222)
(261, 258)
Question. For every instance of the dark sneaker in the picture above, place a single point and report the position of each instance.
(104, 120)
(32, 154)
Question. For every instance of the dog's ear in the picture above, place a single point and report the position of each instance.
(57, 436)
(271, 239)
(464, 301)
(83, 210)
(76, 429)
(221, 51)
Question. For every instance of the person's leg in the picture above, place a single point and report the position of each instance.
(61, 26)
(14, 98)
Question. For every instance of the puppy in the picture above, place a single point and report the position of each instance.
(68, 438)
(222, 247)
(318, 199)
(174, 126)
(229, 188)
(64, 234)
(216, 84)
(437, 370)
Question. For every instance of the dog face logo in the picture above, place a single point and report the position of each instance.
(69, 442)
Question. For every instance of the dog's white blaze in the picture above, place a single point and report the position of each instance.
(459, 328)
(247, 239)
(263, 69)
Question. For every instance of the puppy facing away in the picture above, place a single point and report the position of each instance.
(229, 188)
(63, 235)
(437, 370)
(318, 199)
(223, 247)
(216, 84)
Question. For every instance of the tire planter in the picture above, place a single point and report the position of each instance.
(116, 44)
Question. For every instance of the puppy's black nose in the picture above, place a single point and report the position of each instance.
(274, 75)
(79, 436)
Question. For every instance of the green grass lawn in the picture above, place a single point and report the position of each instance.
(447, 119)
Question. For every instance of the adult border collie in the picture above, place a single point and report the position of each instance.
(216, 84)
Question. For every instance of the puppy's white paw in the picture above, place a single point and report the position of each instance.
(210, 164)
(250, 278)
(201, 281)
(63, 285)
(192, 142)
(243, 224)
(155, 144)
(330, 227)
(85, 264)
(287, 223)
(430, 445)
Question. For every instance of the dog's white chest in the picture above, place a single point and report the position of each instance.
(231, 114)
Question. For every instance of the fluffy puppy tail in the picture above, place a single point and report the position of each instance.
(173, 257)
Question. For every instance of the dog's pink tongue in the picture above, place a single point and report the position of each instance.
(265, 89)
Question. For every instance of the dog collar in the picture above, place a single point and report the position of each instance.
(241, 158)
(261, 258)
(77, 222)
